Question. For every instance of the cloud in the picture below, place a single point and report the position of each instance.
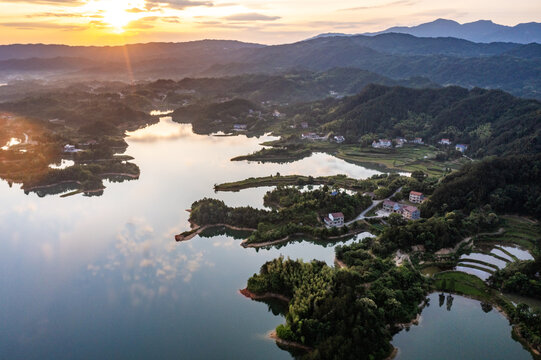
(42, 25)
(177, 4)
(55, 15)
(48, 2)
(251, 17)
(381, 6)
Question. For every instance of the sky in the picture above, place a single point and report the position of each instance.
(113, 22)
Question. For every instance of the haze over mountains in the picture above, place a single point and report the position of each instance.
(513, 67)
(481, 31)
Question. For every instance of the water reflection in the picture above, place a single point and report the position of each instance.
(10, 143)
(161, 112)
(101, 277)
(64, 163)
(469, 330)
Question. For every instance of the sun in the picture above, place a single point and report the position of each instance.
(116, 13)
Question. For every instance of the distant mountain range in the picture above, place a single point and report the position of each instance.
(512, 67)
(482, 31)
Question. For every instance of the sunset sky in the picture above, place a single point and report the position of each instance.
(105, 22)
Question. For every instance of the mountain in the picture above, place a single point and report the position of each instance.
(136, 52)
(512, 67)
(482, 31)
(443, 61)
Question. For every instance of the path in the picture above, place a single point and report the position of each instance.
(447, 251)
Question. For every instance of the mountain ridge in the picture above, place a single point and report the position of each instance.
(480, 31)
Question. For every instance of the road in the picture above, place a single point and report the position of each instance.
(362, 215)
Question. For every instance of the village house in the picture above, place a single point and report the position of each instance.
(382, 143)
(416, 197)
(418, 141)
(461, 147)
(334, 219)
(339, 139)
(240, 127)
(411, 213)
(304, 125)
(71, 149)
(444, 142)
(400, 142)
(276, 114)
(407, 212)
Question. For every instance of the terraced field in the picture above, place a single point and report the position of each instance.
(493, 252)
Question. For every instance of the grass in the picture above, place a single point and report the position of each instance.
(462, 283)
(408, 158)
(405, 159)
(339, 181)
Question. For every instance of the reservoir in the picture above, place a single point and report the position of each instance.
(102, 277)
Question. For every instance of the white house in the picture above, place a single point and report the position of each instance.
(382, 143)
(339, 139)
(240, 127)
(418, 141)
(444, 142)
(311, 136)
(334, 219)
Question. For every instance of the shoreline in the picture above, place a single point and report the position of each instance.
(286, 343)
(340, 263)
(39, 187)
(196, 230)
(244, 243)
(272, 334)
(247, 293)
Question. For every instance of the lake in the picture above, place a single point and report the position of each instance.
(102, 277)
(463, 332)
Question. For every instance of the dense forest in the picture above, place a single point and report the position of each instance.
(491, 122)
(508, 184)
(342, 313)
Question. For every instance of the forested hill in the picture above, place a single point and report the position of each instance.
(510, 185)
(492, 122)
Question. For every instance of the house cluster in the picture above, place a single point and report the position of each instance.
(382, 143)
(334, 219)
(399, 142)
(311, 136)
(407, 211)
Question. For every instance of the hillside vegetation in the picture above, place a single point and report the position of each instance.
(492, 122)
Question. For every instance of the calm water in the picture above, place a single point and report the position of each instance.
(102, 277)
(463, 332)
